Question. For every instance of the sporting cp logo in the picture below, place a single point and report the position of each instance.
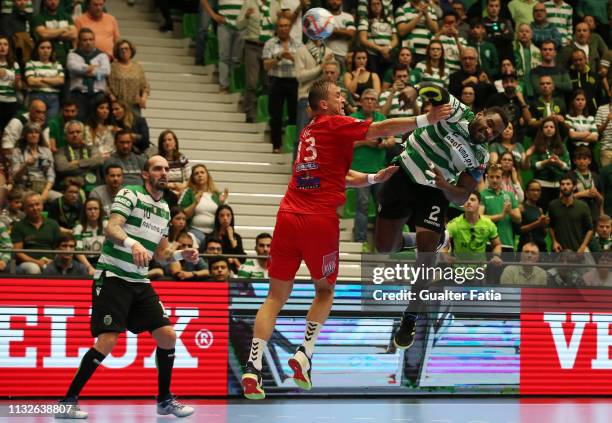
(108, 320)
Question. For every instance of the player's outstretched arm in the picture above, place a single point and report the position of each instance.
(356, 179)
(396, 126)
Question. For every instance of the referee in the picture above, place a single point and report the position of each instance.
(122, 295)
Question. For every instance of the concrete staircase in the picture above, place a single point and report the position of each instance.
(212, 129)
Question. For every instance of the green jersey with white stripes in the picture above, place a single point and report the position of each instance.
(445, 145)
(147, 222)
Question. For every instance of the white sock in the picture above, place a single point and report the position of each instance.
(310, 336)
(257, 350)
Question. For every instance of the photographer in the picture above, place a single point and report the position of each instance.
(513, 103)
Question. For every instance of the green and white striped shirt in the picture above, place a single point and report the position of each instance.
(420, 36)
(445, 145)
(379, 32)
(265, 19)
(434, 77)
(451, 52)
(581, 123)
(561, 18)
(5, 243)
(7, 83)
(362, 9)
(39, 69)
(230, 9)
(147, 222)
(7, 6)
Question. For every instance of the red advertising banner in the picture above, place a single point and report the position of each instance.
(44, 331)
(565, 341)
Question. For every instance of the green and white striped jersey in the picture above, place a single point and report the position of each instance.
(38, 69)
(379, 32)
(230, 9)
(147, 222)
(451, 52)
(420, 36)
(445, 145)
(421, 75)
(7, 6)
(561, 18)
(7, 83)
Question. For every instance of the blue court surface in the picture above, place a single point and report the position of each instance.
(361, 410)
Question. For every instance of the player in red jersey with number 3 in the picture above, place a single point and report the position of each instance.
(307, 226)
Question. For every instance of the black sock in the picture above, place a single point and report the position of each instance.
(90, 362)
(164, 360)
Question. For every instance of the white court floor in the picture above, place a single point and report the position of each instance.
(362, 410)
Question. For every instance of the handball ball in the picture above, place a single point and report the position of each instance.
(318, 23)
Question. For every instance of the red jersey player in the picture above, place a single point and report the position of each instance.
(307, 226)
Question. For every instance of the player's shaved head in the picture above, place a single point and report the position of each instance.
(153, 160)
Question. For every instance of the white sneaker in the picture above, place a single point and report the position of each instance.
(301, 365)
(172, 406)
(71, 411)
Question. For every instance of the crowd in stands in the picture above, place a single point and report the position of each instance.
(72, 95)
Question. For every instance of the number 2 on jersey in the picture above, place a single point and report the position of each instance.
(311, 150)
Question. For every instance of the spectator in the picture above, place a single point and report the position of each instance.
(127, 80)
(588, 185)
(522, 11)
(10, 82)
(533, 220)
(582, 41)
(113, 181)
(219, 270)
(34, 232)
(486, 51)
(88, 68)
(126, 120)
(55, 25)
(37, 113)
(500, 31)
(363, 11)
(180, 169)
(292, 10)
(606, 179)
(57, 137)
(548, 159)
(78, 160)
(471, 74)
(17, 25)
(527, 273)
(200, 202)
(542, 29)
(507, 144)
(33, 164)
(212, 247)
(344, 33)
(571, 225)
(279, 62)
(404, 57)
(65, 264)
(453, 44)
(527, 56)
(463, 26)
(5, 244)
(99, 131)
(600, 276)
(13, 211)
(183, 270)
(67, 209)
(468, 97)
(7, 7)
(377, 33)
(602, 240)
(511, 178)
(560, 15)
(178, 225)
(230, 240)
(434, 68)
(506, 68)
(585, 78)
(89, 233)
(513, 103)
(598, 41)
(102, 24)
(416, 23)
(602, 120)
(582, 129)
(331, 73)
(566, 275)
(132, 163)
(164, 10)
(546, 105)
(389, 100)
(257, 268)
(360, 77)
(549, 67)
(501, 207)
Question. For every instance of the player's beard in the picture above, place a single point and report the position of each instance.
(160, 185)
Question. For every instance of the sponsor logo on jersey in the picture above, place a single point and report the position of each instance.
(301, 167)
(308, 182)
(329, 264)
(460, 148)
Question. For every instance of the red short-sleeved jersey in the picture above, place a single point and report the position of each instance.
(325, 153)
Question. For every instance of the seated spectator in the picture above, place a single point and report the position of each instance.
(508, 144)
(67, 209)
(534, 222)
(511, 178)
(571, 225)
(360, 77)
(542, 29)
(65, 264)
(211, 247)
(57, 137)
(124, 119)
(566, 275)
(180, 169)
(257, 268)
(417, 22)
(527, 56)
(88, 68)
(344, 31)
(601, 275)
(34, 232)
(33, 164)
(13, 212)
(546, 105)
(200, 202)
(471, 74)
(378, 35)
(45, 77)
(89, 233)
(588, 185)
(6, 176)
(603, 117)
(581, 124)
(389, 100)
(602, 240)
(506, 67)
(468, 97)
(98, 130)
(433, 69)
(17, 25)
(131, 163)
(230, 240)
(404, 57)
(549, 67)
(487, 55)
(183, 270)
(113, 181)
(527, 273)
(331, 73)
(448, 35)
(37, 113)
(500, 30)
(5, 244)
(586, 78)
(56, 25)
(10, 82)
(219, 270)
(596, 39)
(127, 80)
(103, 24)
(582, 40)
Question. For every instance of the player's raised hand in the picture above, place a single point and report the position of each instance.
(191, 255)
(140, 254)
(384, 174)
(439, 113)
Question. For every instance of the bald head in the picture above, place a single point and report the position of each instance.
(37, 111)
(155, 175)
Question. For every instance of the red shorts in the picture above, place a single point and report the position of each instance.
(313, 238)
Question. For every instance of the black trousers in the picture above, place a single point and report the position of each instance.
(279, 91)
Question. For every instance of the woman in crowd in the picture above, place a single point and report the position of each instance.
(404, 56)
(360, 77)
(98, 131)
(89, 233)
(511, 178)
(508, 144)
(178, 225)
(33, 165)
(231, 242)
(125, 119)
(468, 97)
(581, 125)
(127, 80)
(378, 35)
(10, 82)
(533, 220)
(200, 201)
(168, 147)
(433, 68)
(45, 77)
(549, 160)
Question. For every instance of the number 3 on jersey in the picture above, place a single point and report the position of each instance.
(311, 150)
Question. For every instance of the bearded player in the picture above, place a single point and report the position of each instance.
(307, 226)
(442, 162)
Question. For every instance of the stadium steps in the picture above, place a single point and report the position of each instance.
(214, 116)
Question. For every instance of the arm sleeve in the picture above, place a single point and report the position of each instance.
(349, 129)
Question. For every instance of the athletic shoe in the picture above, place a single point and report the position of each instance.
(404, 336)
(301, 365)
(71, 410)
(251, 383)
(172, 406)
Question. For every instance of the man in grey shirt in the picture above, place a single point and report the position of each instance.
(113, 181)
(132, 164)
